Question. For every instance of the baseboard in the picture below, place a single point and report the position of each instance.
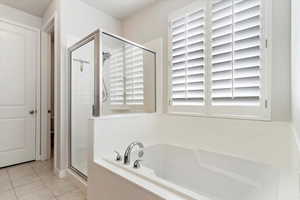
(60, 173)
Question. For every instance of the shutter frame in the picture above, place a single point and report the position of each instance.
(230, 111)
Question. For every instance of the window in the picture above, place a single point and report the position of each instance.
(228, 58)
(127, 77)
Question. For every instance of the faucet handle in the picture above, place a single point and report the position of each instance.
(140, 153)
(137, 164)
(118, 156)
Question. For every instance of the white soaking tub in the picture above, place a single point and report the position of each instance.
(197, 174)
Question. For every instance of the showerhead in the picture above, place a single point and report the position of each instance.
(106, 56)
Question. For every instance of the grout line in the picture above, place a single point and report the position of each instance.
(12, 186)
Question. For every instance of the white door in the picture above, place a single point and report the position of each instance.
(18, 63)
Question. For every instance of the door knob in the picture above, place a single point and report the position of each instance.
(32, 112)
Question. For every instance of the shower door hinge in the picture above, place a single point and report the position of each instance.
(266, 43)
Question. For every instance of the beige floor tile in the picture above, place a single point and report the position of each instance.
(22, 175)
(44, 171)
(8, 195)
(43, 194)
(43, 167)
(3, 173)
(76, 195)
(59, 186)
(42, 164)
(50, 178)
(29, 188)
(24, 180)
(20, 169)
(5, 182)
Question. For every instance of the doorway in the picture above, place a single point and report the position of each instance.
(49, 106)
(51, 96)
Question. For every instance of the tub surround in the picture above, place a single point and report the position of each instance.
(259, 141)
(268, 143)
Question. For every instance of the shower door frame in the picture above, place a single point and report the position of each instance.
(95, 36)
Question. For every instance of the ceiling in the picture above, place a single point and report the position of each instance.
(33, 7)
(115, 8)
(119, 8)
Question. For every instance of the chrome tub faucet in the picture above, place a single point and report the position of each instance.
(129, 150)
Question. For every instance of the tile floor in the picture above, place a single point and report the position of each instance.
(36, 181)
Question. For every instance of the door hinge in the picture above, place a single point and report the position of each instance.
(266, 103)
(266, 43)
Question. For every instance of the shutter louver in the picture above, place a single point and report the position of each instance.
(117, 77)
(236, 52)
(134, 74)
(188, 59)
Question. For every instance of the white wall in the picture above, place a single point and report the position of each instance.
(76, 20)
(296, 65)
(281, 64)
(79, 19)
(152, 23)
(49, 12)
(19, 16)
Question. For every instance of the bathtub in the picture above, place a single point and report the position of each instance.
(172, 172)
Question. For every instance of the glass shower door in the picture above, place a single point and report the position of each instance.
(84, 99)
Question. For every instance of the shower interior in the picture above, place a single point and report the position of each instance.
(131, 91)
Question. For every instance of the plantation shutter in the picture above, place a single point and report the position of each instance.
(134, 63)
(117, 77)
(236, 46)
(187, 65)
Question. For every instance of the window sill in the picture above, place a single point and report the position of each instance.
(126, 108)
(120, 108)
(236, 117)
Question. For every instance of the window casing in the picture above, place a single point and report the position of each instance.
(235, 81)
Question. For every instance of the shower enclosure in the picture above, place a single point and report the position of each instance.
(108, 75)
